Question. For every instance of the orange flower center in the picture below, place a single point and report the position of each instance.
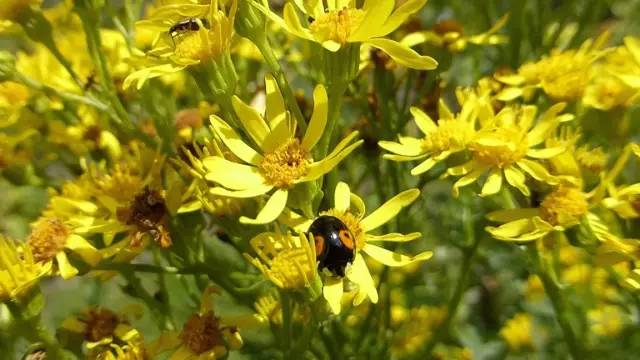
(48, 237)
(506, 147)
(564, 206)
(100, 324)
(286, 164)
(202, 333)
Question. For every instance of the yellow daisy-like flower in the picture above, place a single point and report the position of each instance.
(188, 34)
(341, 22)
(560, 210)
(203, 337)
(19, 270)
(350, 209)
(281, 161)
(118, 200)
(507, 147)
(49, 241)
(288, 262)
(563, 75)
(449, 135)
(448, 34)
(100, 327)
(517, 332)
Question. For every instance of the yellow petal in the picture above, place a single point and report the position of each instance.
(82, 247)
(493, 183)
(546, 153)
(406, 149)
(534, 169)
(518, 230)
(232, 175)
(389, 209)
(393, 237)
(423, 166)
(510, 93)
(400, 15)
(376, 13)
(516, 179)
(508, 215)
(359, 274)
(292, 22)
(67, 270)
(242, 194)
(280, 133)
(391, 258)
(233, 141)
(318, 118)
(403, 55)
(271, 210)
(342, 197)
(332, 292)
(275, 102)
(319, 168)
(467, 180)
(424, 122)
(251, 121)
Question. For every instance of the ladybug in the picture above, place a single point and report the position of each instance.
(335, 245)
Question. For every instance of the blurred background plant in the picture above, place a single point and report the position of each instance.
(529, 207)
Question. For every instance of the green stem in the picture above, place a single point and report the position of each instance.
(34, 331)
(67, 96)
(287, 322)
(453, 304)
(274, 66)
(560, 306)
(91, 25)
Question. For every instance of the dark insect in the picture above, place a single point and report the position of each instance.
(91, 81)
(185, 26)
(335, 245)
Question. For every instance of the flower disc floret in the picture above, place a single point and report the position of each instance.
(48, 238)
(507, 147)
(336, 25)
(564, 205)
(202, 333)
(288, 163)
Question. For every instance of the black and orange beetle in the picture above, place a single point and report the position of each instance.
(335, 245)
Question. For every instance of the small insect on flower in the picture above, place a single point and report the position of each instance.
(185, 26)
(335, 246)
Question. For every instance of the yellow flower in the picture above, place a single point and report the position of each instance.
(13, 98)
(517, 332)
(606, 320)
(449, 135)
(417, 327)
(19, 270)
(563, 208)
(282, 161)
(341, 22)
(563, 75)
(203, 337)
(507, 146)
(360, 227)
(187, 34)
(448, 34)
(116, 200)
(100, 327)
(606, 92)
(51, 238)
(288, 262)
(624, 200)
(625, 63)
(269, 308)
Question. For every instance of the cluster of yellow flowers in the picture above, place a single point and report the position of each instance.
(258, 198)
